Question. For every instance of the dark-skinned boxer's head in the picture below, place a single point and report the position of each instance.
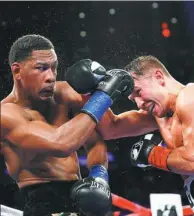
(151, 85)
(33, 63)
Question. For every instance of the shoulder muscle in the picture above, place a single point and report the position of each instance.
(11, 116)
(66, 94)
(185, 104)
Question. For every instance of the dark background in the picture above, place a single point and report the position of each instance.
(113, 40)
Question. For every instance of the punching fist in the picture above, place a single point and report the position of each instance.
(85, 75)
(116, 83)
(92, 195)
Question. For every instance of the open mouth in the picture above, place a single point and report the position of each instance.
(150, 106)
(47, 92)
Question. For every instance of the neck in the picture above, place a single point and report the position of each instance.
(174, 87)
(26, 101)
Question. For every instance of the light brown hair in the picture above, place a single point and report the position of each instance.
(141, 64)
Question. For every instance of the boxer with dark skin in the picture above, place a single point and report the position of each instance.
(42, 128)
(165, 105)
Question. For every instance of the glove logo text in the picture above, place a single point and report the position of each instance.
(97, 185)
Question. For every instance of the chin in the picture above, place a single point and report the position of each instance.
(159, 114)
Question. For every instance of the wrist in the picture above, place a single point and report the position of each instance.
(99, 171)
(158, 157)
(97, 105)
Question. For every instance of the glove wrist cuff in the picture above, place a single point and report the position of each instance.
(97, 105)
(158, 157)
(100, 172)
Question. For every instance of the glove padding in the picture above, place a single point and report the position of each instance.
(116, 83)
(85, 75)
(92, 196)
(140, 151)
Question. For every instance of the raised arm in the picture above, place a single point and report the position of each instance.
(38, 136)
(131, 123)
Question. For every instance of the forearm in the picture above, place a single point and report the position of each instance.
(73, 134)
(97, 155)
(127, 124)
(178, 160)
(107, 124)
(181, 161)
(96, 151)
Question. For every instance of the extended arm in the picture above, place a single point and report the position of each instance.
(131, 123)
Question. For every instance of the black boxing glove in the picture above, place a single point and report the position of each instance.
(116, 83)
(150, 151)
(85, 75)
(92, 194)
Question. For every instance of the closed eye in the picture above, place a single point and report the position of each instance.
(137, 92)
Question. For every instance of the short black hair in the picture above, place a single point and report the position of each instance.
(22, 48)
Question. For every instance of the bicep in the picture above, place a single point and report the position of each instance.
(34, 136)
(29, 135)
(185, 113)
(187, 122)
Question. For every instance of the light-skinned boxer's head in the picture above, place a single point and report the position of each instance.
(33, 63)
(151, 79)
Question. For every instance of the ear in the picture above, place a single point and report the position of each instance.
(159, 76)
(16, 68)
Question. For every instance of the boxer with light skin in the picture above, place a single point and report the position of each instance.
(165, 105)
(44, 123)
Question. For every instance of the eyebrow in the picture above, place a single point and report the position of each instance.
(46, 63)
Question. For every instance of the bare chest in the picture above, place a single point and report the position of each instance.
(171, 131)
(54, 116)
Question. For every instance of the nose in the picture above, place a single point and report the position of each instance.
(50, 76)
(139, 102)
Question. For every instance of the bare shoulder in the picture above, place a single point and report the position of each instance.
(9, 108)
(185, 100)
(66, 94)
(186, 96)
(11, 116)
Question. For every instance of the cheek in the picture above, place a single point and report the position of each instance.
(146, 95)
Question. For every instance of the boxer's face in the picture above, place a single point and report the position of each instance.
(149, 94)
(38, 74)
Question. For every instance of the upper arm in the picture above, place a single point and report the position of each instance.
(131, 123)
(29, 135)
(185, 113)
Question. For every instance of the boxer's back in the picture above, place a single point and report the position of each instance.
(27, 167)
